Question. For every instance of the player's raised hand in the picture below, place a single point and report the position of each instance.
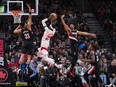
(29, 7)
(62, 16)
(94, 35)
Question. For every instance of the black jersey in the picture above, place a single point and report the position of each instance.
(95, 63)
(74, 46)
(93, 54)
(27, 35)
(73, 37)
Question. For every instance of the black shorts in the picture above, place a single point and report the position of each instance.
(27, 48)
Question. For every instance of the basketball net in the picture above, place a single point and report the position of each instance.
(17, 15)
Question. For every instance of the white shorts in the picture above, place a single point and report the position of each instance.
(42, 52)
(45, 43)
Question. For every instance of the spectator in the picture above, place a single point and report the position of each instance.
(112, 73)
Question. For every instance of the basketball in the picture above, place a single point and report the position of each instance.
(53, 16)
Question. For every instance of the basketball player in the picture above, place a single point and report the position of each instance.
(27, 38)
(93, 63)
(72, 34)
(48, 33)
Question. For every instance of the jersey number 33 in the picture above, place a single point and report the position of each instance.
(27, 36)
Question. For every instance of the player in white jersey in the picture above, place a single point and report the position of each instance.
(48, 33)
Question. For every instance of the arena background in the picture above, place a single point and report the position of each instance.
(94, 16)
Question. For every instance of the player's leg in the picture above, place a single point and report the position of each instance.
(29, 52)
(21, 61)
(39, 53)
(23, 52)
(74, 53)
(44, 55)
(28, 59)
(49, 60)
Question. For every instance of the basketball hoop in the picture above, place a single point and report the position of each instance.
(17, 15)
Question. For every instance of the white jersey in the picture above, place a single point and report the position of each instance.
(48, 33)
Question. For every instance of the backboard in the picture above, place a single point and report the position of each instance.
(7, 5)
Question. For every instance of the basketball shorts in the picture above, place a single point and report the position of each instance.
(42, 52)
(27, 48)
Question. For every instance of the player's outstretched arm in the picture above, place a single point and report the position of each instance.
(65, 25)
(44, 23)
(30, 17)
(86, 34)
(17, 30)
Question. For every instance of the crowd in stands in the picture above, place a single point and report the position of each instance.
(45, 75)
(105, 11)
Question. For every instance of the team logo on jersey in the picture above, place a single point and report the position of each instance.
(73, 38)
(3, 75)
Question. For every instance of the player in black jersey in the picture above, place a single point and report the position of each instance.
(24, 29)
(72, 34)
(94, 66)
